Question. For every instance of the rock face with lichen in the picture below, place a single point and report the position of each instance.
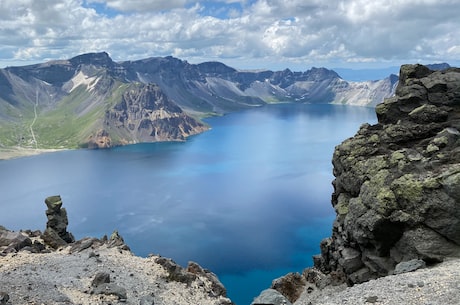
(56, 234)
(397, 186)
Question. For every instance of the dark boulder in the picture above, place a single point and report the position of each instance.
(291, 285)
(100, 278)
(175, 272)
(111, 289)
(85, 243)
(4, 297)
(13, 241)
(101, 285)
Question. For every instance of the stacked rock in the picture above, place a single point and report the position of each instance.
(56, 234)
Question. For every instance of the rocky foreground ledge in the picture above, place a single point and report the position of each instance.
(52, 268)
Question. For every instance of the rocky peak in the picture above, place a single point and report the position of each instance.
(101, 59)
(320, 74)
(397, 185)
(149, 97)
(215, 68)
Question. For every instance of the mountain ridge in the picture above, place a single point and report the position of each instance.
(70, 103)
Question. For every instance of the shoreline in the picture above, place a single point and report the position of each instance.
(20, 152)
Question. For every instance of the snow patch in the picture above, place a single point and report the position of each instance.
(82, 79)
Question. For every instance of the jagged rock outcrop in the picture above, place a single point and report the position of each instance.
(12, 241)
(291, 285)
(397, 185)
(56, 234)
(145, 114)
(101, 139)
(216, 287)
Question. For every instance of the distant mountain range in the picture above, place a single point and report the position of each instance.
(92, 101)
(359, 75)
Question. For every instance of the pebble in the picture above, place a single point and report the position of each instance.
(4, 297)
(372, 299)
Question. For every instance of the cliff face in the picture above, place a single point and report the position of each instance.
(397, 185)
(144, 114)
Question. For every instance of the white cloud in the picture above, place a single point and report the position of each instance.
(271, 32)
(141, 5)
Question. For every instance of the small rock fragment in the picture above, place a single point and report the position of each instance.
(4, 297)
(147, 300)
(409, 266)
(100, 278)
(111, 289)
(271, 296)
(372, 299)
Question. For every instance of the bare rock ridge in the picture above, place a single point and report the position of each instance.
(396, 189)
(52, 268)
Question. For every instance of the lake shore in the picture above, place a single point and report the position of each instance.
(19, 152)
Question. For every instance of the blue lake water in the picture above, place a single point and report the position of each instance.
(249, 199)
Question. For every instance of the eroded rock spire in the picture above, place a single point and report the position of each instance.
(56, 234)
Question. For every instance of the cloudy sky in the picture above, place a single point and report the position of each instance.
(245, 34)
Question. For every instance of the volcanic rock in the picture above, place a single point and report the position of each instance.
(272, 297)
(217, 288)
(409, 266)
(291, 285)
(397, 185)
(100, 278)
(13, 241)
(175, 272)
(4, 297)
(56, 234)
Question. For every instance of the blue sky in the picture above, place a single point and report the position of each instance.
(245, 34)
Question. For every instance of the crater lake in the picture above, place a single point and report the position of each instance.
(248, 199)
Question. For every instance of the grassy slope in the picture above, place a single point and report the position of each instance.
(78, 115)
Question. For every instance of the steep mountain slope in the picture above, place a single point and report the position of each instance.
(366, 93)
(75, 103)
(90, 100)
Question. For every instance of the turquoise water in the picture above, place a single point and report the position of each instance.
(249, 199)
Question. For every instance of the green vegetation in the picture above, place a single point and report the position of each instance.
(68, 125)
(62, 127)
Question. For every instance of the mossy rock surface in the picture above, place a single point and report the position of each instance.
(397, 185)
